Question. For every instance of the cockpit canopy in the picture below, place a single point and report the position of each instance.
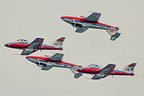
(93, 66)
(83, 16)
(22, 41)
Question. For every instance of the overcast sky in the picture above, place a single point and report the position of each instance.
(28, 19)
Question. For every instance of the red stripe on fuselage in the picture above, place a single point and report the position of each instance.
(46, 59)
(81, 19)
(24, 46)
(97, 70)
(89, 70)
(121, 73)
(17, 45)
(43, 47)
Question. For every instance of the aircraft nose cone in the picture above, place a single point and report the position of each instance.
(62, 17)
(7, 45)
(31, 59)
(66, 19)
(27, 57)
(117, 28)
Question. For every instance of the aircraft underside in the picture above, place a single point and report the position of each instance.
(49, 64)
(89, 25)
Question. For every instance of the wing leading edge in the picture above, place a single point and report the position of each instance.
(106, 71)
(56, 57)
(94, 17)
(34, 46)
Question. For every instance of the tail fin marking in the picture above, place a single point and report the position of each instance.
(59, 42)
(130, 68)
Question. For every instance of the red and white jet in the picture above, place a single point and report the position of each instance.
(84, 23)
(100, 73)
(46, 63)
(35, 45)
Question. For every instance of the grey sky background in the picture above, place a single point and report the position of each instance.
(29, 19)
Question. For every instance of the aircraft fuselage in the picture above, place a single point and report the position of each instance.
(81, 22)
(25, 45)
(97, 70)
(45, 62)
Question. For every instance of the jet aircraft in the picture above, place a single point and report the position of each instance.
(35, 45)
(46, 63)
(92, 21)
(100, 73)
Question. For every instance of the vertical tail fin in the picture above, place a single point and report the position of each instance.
(59, 42)
(114, 34)
(76, 74)
(130, 68)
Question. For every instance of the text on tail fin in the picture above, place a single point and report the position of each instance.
(132, 65)
(59, 42)
(61, 39)
(130, 68)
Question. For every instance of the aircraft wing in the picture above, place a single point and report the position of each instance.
(57, 57)
(34, 46)
(81, 30)
(104, 72)
(94, 17)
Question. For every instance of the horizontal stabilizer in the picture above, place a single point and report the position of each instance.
(76, 74)
(115, 36)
